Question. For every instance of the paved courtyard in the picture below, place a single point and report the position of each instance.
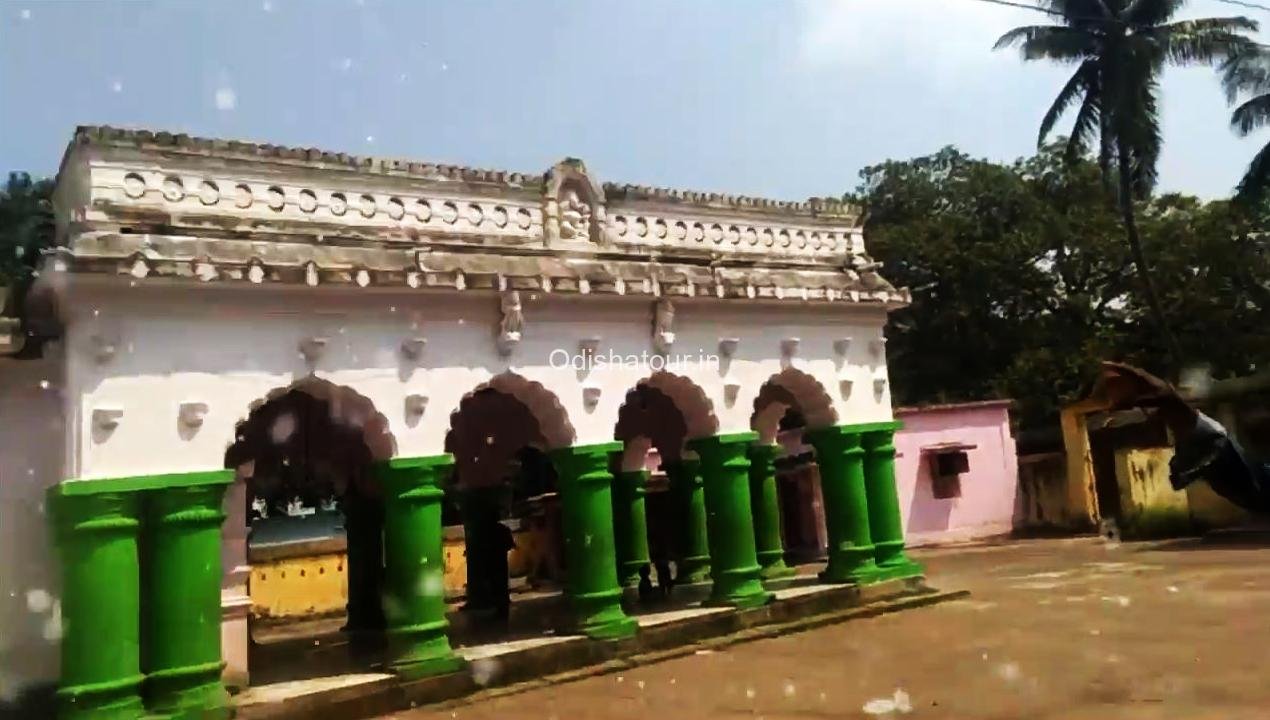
(1053, 629)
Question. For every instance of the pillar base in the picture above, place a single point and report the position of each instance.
(189, 692)
(601, 616)
(694, 569)
(854, 565)
(416, 669)
(114, 700)
(775, 570)
(900, 568)
(744, 590)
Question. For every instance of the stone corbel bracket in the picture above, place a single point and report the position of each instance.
(412, 348)
(107, 419)
(416, 404)
(878, 348)
(313, 348)
(191, 414)
(728, 346)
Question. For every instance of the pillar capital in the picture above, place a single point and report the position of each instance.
(416, 478)
(584, 463)
(711, 444)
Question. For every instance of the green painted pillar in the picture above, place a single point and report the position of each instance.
(841, 462)
(181, 583)
(691, 535)
(101, 634)
(885, 521)
(414, 566)
(630, 524)
(733, 559)
(765, 509)
(587, 514)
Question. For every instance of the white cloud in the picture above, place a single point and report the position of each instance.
(226, 99)
(116, 86)
(25, 14)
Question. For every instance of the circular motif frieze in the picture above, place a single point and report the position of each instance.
(768, 238)
(733, 235)
(659, 229)
(422, 211)
(277, 198)
(366, 206)
(681, 231)
(396, 208)
(800, 239)
(619, 225)
(242, 197)
(751, 236)
(783, 239)
(524, 219)
(173, 190)
(449, 213)
(499, 216)
(716, 233)
(339, 204)
(475, 214)
(208, 193)
(134, 186)
(813, 241)
(697, 233)
(308, 201)
(641, 227)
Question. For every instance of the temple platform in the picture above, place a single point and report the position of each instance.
(522, 660)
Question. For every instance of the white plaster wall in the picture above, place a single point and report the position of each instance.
(228, 347)
(30, 462)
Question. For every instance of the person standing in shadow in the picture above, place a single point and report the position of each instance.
(499, 588)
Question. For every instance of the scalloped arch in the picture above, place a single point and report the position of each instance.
(689, 399)
(554, 428)
(791, 388)
(348, 407)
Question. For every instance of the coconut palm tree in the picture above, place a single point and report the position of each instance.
(1120, 49)
(1249, 73)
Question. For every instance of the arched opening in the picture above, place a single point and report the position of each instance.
(314, 546)
(502, 509)
(658, 544)
(788, 404)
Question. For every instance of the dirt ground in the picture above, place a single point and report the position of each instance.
(1053, 629)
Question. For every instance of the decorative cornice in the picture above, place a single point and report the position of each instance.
(161, 205)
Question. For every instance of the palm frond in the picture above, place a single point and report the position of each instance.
(1050, 42)
(1078, 85)
(1151, 12)
(1256, 180)
(1088, 121)
(1253, 114)
(1204, 41)
(1246, 72)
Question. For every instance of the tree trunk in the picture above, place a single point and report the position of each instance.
(1139, 259)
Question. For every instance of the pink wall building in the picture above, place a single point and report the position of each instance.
(956, 471)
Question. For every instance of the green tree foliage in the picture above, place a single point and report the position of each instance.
(1120, 48)
(26, 227)
(1247, 75)
(1022, 283)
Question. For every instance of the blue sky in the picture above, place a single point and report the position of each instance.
(783, 99)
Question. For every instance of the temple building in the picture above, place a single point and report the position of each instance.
(420, 358)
